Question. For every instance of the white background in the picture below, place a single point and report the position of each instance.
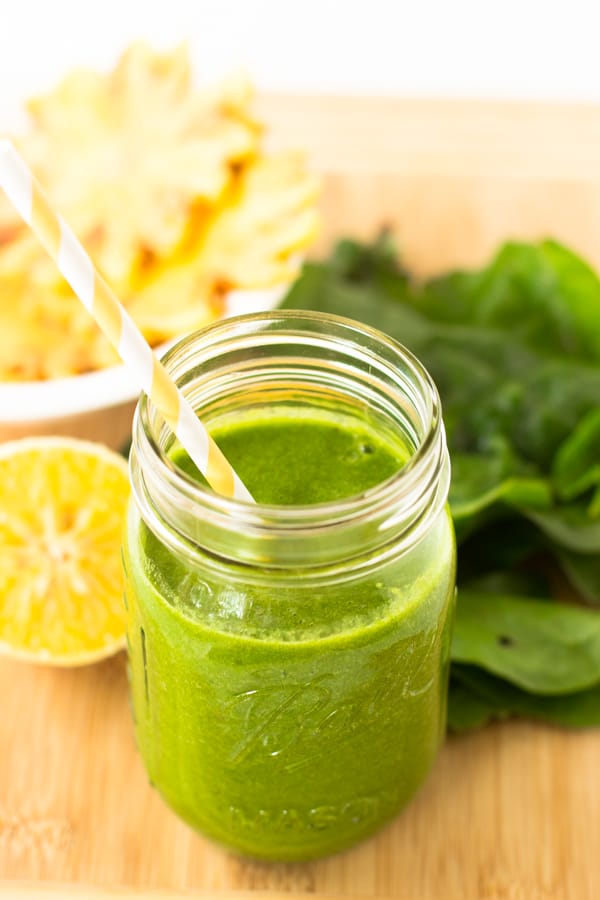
(526, 49)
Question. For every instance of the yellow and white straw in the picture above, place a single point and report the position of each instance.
(56, 237)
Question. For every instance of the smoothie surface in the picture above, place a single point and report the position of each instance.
(286, 460)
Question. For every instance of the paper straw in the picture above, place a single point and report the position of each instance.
(30, 201)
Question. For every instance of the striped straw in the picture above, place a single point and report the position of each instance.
(56, 237)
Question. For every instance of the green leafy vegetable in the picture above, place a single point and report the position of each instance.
(543, 295)
(476, 698)
(571, 526)
(545, 648)
(467, 709)
(576, 465)
(583, 571)
(515, 352)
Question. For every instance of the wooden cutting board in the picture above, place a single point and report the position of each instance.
(510, 812)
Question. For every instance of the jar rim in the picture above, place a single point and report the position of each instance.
(415, 480)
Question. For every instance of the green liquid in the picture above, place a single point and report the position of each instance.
(282, 716)
(292, 462)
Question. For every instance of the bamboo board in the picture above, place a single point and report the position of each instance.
(511, 812)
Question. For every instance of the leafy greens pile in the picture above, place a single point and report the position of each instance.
(515, 352)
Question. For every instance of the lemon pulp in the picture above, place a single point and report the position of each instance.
(62, 503)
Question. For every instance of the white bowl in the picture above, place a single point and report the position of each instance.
(97, 406)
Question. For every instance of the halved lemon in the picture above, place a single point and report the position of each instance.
(62, 503)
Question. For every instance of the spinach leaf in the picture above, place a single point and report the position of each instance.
(569, 526)
(557, 395)
(583, 571)
(322, 290)
(542, 647)
(543, 295)
(576, 466)
(479, 481)
(468, 710)
(476, 697)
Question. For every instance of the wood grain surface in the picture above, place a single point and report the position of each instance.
(453, 178)
(508, 813)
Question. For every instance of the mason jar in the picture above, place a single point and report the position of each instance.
(289, 663)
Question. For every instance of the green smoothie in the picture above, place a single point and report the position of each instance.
(287, 714)
(294, 461)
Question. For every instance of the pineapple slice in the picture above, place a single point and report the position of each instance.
(126, 156)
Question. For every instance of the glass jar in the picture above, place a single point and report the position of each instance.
(289, 664)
